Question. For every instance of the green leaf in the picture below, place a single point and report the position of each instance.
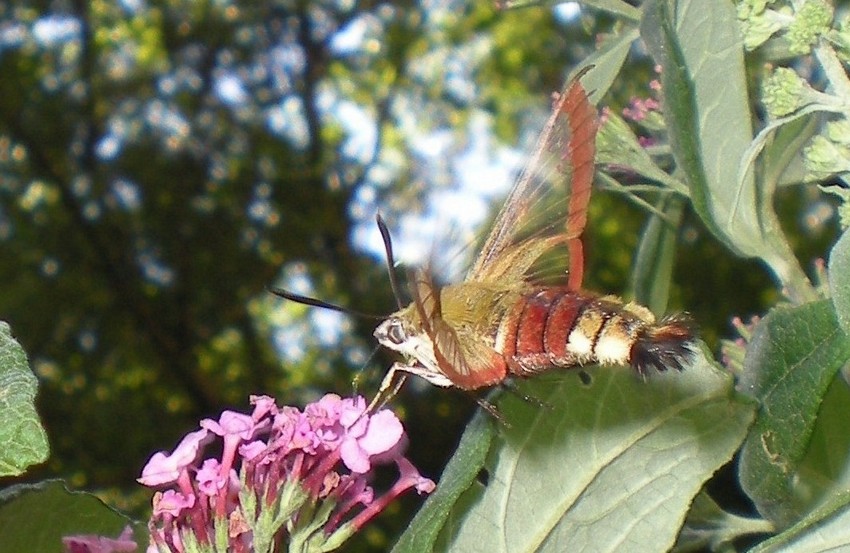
(457, 478)
(607, 61)
(709, 125)
(615, 7)
(783, 155)
(655, 257)
(790, 363)
(827, 528)
(618, 145)
(825, 467)
(838, 269)
(23, 438)
(613, 461)
(698, 45)
(36, 517)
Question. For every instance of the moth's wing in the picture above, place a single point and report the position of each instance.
(461, 355)
(547, 206)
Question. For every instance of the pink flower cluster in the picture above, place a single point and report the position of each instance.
(284, 478)
(640, 108)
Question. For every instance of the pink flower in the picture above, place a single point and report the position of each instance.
(98, 544)
(263, 405)
(252, 450)
(231, 423)
(172, 502)
(411, 476)
(324, 412)
(210, 481)
(369, 436)
(165, 469)
(303, 437)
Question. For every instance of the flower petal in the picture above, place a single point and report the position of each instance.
(385, 430)
(354, 457)
(163, 468)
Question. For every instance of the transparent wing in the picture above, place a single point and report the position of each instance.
(547, 207)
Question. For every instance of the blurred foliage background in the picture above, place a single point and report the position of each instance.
(163, 162)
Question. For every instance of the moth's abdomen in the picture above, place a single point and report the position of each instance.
(558, 327)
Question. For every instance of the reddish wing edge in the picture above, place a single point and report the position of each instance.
(466, 363)
(581, 151)
(573, 115)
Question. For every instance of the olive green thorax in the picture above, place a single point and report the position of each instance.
(473, 308)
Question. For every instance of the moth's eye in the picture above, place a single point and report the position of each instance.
(396, 334)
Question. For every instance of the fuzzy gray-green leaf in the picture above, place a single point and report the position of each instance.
(614, 461)
(23, 438)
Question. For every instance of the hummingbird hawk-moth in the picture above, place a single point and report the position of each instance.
(503, 321)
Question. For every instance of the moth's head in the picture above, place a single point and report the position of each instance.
(400, 333)
(392, 333)
(403, 333)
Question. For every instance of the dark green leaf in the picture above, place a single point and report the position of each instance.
(790, 363)
(35, 518)
(23, 438)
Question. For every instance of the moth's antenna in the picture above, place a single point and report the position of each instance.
(388, 248)
(314, 302)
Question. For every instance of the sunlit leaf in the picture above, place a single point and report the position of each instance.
(698, 45)
(698, 48)
(613, 460)
(23, 438)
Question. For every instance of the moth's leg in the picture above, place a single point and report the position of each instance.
(386, 391)
(491, 410)
(398, 384)
(511, 387)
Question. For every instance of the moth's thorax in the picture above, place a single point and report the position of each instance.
(479, 306)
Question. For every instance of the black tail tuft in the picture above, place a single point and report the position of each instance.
(667, 345)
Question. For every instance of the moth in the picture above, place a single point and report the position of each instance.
(505, 319)
(514, 315)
